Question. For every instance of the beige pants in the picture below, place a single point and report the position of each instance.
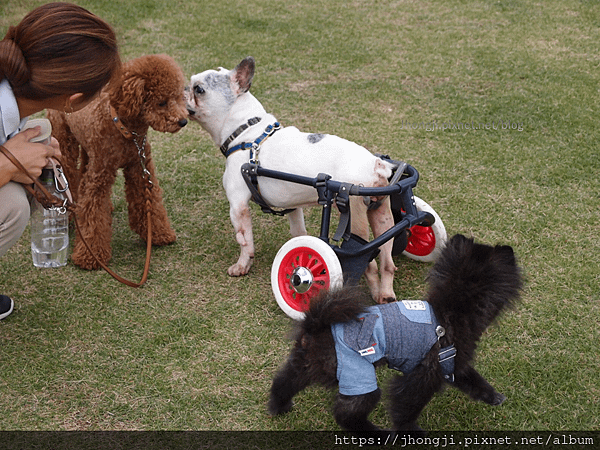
(14, 214)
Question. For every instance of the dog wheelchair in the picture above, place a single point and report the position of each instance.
(304, 265)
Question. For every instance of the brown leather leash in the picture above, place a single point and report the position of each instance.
(48, 200)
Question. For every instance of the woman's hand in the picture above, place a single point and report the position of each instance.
(33, 156)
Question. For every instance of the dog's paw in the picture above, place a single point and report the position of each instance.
(276, 409)
(164, 238)
(498, 399)
(83, 259)
(238, 270)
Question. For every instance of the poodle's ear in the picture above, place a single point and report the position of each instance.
(128, 98)
(242, 75)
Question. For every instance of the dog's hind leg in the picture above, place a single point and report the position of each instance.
(381, 220)
(473, 384)
(409, 394)
(360, 227)
(297, 226)
(351, 412)
(94, 216)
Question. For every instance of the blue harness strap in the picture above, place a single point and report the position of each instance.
(253, 146)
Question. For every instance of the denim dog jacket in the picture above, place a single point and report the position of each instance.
(402, 332)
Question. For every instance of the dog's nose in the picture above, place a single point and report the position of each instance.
(182, 123)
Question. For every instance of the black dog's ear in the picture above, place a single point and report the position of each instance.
(458, 239)
(243, 74)
(506, 251)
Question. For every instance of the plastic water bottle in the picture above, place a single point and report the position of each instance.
(49, 228)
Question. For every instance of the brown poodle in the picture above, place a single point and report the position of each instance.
(111, 134)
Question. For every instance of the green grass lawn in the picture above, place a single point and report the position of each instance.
(196, 350)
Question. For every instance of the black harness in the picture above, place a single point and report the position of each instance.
(249, 170)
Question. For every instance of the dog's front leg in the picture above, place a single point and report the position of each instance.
(242, 225)
(351, 412)
(137, 195)
(286, 384)
(473, 384)
(94, 216)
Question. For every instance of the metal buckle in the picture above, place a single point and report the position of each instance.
(254, 150)
(60, 180)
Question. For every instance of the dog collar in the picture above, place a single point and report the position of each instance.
(118, 123)
(236, 133)
(254, 146)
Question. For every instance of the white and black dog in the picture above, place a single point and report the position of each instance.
(433, 343)
(220, 101)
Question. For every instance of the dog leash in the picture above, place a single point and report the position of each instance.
(48, 200)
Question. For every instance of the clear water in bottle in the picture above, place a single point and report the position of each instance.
(49, 246)
(49, 230)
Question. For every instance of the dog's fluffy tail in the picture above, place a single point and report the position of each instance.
(471, 284)
(331, 307)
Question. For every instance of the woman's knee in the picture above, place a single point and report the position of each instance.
(14, 214)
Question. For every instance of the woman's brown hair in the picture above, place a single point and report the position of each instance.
(57, 49)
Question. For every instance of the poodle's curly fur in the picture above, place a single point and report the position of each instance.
(470, 285)
(149, 94)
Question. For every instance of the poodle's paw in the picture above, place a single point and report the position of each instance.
(83, 259)
(164, 237)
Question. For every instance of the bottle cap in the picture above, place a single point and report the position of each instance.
(46, 132)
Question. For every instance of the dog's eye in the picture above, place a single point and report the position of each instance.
(199, 90)
(162, 104)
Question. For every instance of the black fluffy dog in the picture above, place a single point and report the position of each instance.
(469, 286)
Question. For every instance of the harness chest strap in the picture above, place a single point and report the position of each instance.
(255, 146)
(225, 147)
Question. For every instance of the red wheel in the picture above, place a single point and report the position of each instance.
(425, 243)
(303, 266)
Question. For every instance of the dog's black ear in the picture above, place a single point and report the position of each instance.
(507, 252)
(459, 239)
(243, 74)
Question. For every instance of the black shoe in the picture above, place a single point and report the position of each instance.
(6, 306)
